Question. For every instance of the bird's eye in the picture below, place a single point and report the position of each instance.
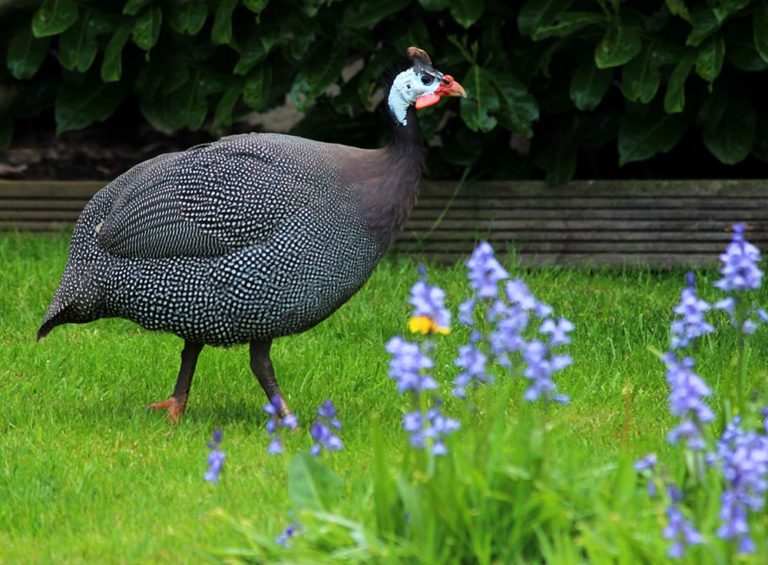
(426, 80)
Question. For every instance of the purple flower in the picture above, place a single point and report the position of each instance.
(647, 463)
(276, 423)
(557, 331)
(485, 271)
(744, 459)
(680, 531)
(472, 361)
(739, 264)
(433, 426)
(686, 400)
(407, 366)
(322, 430)
(691, 325)
(215, 458)
(429, 301)
(541, 364)
(284, 539)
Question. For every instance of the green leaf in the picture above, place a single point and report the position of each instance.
(311, 484)
(185, 107)
(434, 5)
(643, 136)
(704, 24)
(709, 60)
(77, 46)
(252, 53)
(146, 28)
(112, 65)
(678, 8)
(221, 33)
(370, 12)
(589, 85)
(674, 99)
(535, 14)
(467, 12)
(256, 6)
(222, 117)
(559, 157)
(26, 53)
(723, 9)
(477, 110)
(519, 108)
(727, 120)
(760, 28)
(54, 17)
(188, 17)
(315, 76)
(257, 86)
(83, 101)
(567, 24)
(640, 78)
(617, 47)
(133, 7)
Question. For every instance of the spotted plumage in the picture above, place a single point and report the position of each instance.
(243, 240)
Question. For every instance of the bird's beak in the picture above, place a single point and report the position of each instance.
(448, 87)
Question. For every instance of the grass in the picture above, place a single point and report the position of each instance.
(88, 473)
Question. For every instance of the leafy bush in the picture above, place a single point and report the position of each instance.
(549, 81)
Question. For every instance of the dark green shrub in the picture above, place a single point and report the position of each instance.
(628, 80)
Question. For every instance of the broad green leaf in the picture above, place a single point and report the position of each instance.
(643, 136)
(222, 117)
(589, 85)
(256, 6)
(133, 7)
(760, 28)
(189, 17)
(368, 13)
(674, 99)
(252, 53)
(617, 47)
(725, 8)
(434, 5)
(727, 120)
(640, 78)
(320, 72)
(519, 108)
(77, 46)
(54, 17)
(81, 102)
(311, 484)
(535, 14)
(221, 33)
(186, 107)
(257, 86)
(112, 65)
(709, 60)
(678, 8)
(26, 53)
(477, 110)
(146, 27)
(467, 12)
(704, 24)
(567, 24)
(740, 46)
(559, 155)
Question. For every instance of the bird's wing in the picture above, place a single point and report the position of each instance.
(213, 198)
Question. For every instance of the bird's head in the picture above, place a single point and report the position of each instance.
(421, 85)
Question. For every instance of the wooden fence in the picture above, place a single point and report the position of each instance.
(655, 223)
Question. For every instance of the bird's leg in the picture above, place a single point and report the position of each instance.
(176, 403)
(261, 365)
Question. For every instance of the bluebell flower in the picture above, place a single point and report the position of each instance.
(284, 539)
(408, 365)
(686, 401)
(680, 531)
(743, 456)
(557, 331)
(215, 458)
(739, 264)
(647, 463)
(692, 323)
(429, 302)
(467, 312)
(472, 362)
(276, 423)
(322, 430)
(541, 364)
(485, 271)
(433, 425)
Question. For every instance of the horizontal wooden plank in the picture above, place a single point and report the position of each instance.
(589, 203)
(432, 215)
(49, 189)
(446, 236)
(578, 224)
(18, 204)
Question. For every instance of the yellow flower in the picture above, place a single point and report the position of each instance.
(425, 325)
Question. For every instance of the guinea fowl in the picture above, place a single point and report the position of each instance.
(249, 238)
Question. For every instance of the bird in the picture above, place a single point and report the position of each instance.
(249, 238)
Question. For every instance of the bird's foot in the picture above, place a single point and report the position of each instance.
(175, 408)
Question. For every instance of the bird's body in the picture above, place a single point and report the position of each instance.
(243, 240)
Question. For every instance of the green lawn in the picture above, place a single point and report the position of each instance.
(89, 473)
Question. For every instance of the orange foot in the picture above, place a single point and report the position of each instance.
(175, 408)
